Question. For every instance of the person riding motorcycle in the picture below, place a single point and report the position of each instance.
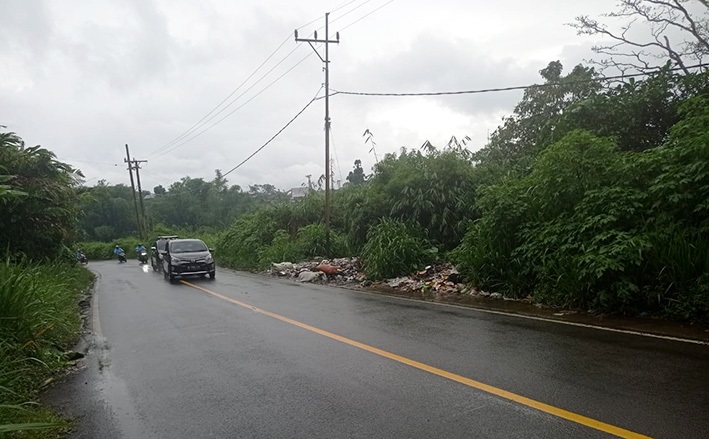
(118, 251)
(81, 256)
(142, 253)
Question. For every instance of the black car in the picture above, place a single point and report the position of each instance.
(158, 250)
(187, 257)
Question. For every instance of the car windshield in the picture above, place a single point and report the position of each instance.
(188, 246)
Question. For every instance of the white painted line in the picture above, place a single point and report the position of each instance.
(541, 319)
(490, 311)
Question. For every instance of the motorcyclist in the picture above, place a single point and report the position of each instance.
(118, 250)
(80, 256)
(140, 250)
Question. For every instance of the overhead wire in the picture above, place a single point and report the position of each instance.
(349, 12)
(274, 136)
(91, 163)
(194, 126)
(185, 141)
(210, 115)
(365, 16)
(517, 87)
(168, 147)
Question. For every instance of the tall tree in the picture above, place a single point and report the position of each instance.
(686, 20)
(42, 221)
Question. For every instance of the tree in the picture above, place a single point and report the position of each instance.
(663, 18)
(38, 217)
(356, 176)
(159, 190)
(535, 122)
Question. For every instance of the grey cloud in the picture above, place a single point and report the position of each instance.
(26, 27)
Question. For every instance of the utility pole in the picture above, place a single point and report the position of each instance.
(136, 165)
(132, 185)
(139, 215)
(326, 61)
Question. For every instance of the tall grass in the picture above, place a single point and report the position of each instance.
(39, 320)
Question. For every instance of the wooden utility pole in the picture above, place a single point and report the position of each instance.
(132, 185)
(139, 214)
(326, 61)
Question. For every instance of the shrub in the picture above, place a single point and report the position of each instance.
(394, 248)
(39, 317)
(282, 248)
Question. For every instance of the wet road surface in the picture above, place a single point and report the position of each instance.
(255, 357)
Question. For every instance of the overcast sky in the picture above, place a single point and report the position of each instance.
(84, 78)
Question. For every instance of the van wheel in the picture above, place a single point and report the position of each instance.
(212, 274)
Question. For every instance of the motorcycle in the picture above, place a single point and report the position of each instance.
(81, 257)
(143, 257)
(121, 257)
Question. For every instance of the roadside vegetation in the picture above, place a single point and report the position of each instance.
(593, 194)
(40, 283)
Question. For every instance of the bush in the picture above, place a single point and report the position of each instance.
(393, 249)
(282, 248)
(39, 318)
(242, 244)
(96, 251)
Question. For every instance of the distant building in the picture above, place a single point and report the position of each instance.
(298, 193)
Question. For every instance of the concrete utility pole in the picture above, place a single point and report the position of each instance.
(326, 61)
(135, 165)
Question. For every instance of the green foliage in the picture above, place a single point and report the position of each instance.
(536, 121)
(434, 188)
(97, 251)
(638, 114)
(356, 175)
(240, 245)
(393, 249)
(38, 205)
(282, 248)
(39, 318)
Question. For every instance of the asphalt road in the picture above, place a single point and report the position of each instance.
(256, 357)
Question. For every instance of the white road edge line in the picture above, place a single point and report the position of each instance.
(502, 313)
(542, 319)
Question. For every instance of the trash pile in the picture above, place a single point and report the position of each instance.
(339, 271)
(434, 281)
(439, 281)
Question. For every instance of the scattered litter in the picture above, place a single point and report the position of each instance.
(309, 276)
(438, 281)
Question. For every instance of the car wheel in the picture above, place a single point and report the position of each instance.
(212, 274)
(164, 274)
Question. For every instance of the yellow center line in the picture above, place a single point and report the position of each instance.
(546, 408)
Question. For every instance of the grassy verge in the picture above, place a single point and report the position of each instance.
(39, 321)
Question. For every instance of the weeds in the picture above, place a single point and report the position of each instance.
(39, 319)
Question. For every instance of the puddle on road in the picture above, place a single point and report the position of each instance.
(113, 392)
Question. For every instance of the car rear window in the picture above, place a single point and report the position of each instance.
(187, 246)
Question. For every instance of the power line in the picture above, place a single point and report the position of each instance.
(517, 87)
(91, 163)
(274, 136)
(167, 146)
(350, 11)
(193, 127)
(185, 141)
(203, 122)
(366, 15)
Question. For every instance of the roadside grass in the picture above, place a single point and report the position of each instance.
(39, 321)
